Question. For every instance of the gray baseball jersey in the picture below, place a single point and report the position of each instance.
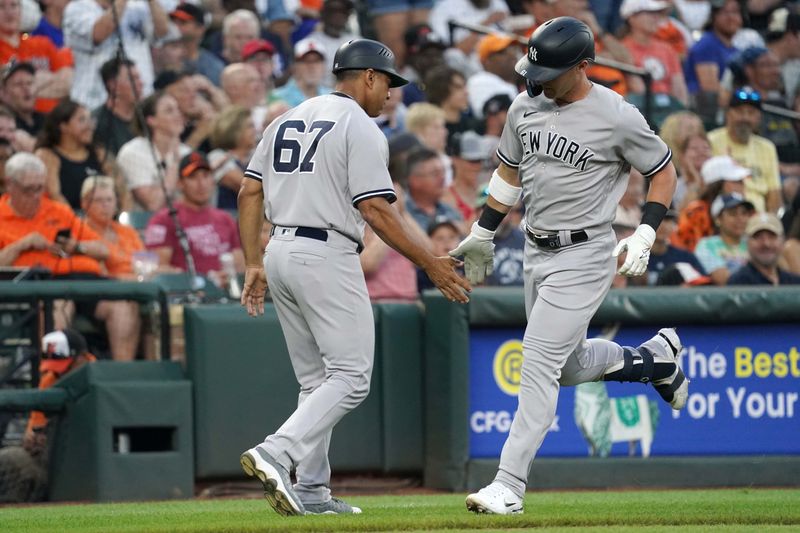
(574, 160)
(317, 161)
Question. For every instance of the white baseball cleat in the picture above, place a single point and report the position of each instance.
(495, 498)
(674, 389)
(278, 489)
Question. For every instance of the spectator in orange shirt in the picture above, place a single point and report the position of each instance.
(642, 18)
(99, 202)
(41, 232)
(53, 65)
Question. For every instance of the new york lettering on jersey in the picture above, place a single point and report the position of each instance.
(555, 145)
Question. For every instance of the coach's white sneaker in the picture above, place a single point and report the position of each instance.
(332, 506)
(495, 498)
(278, 489)
(674, 389)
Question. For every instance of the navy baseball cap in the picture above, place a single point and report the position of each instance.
(191, 163)
(729, 201)
(188, 13)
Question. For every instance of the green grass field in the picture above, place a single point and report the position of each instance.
(756, 510)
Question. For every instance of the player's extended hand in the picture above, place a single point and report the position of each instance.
(478, 252)
(442, 272)
(638, 246)
(255, 287)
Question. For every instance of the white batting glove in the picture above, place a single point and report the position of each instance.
(478, 252)
(638, 246)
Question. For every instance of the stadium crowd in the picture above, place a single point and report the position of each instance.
(114, 109)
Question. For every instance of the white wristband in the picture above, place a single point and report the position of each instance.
(500, 190)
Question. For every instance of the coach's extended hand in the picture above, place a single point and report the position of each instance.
(254, 290)
(441, 271)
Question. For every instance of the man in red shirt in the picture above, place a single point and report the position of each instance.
(37, 231)
(211, 232)
(53, 65)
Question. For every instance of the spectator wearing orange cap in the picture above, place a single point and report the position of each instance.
(498, 55)
(191, 22)
(211, 232)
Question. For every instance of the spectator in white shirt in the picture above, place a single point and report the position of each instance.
(90, 30)
(486, 12)
(145, 163)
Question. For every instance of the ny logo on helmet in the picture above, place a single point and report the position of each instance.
(532, 54)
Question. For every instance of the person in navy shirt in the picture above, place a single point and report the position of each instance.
(664, 255)
(764, 246)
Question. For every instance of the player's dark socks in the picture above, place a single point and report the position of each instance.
(640, 365)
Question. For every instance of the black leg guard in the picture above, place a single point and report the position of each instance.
(639, 366)
(667, 391)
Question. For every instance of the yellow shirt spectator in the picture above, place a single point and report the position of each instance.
(759, 155)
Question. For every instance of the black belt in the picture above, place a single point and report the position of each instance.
(310, 233)
(314, 233)
(552, 241)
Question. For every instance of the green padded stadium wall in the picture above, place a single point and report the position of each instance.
(244, 389)
(149, 403)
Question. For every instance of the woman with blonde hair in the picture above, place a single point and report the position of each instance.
(234, 138)
(427, 122)
(692, 153)
(122, 318)
(99, 203)
(676, 128)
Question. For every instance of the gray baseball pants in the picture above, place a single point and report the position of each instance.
(563, 290)
(322, 303)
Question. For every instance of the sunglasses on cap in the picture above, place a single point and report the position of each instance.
(746, 95)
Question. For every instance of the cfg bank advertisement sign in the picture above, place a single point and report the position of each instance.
(743, 395)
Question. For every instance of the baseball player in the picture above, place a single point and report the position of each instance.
(568, 154)
(318, 174)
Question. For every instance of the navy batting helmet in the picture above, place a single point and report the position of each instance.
(361, 54)
(555, 47)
